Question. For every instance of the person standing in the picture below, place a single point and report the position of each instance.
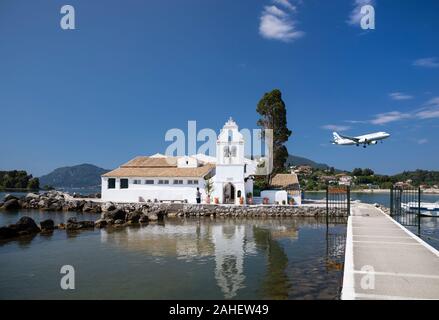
(198, 195)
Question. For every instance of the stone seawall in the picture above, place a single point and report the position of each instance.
(59, 201)
(123, 214)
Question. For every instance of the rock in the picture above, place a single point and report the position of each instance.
(96, 208)
(92, 207)
(86, 224)
(56, 206)
(101, 223)
(9, 197)
(25, 225)
(116, 214)
(152, 216)
(31, 196)
(61, 226)
(119, 221)
(11, 204)
(143, 218)
(108, 206)
(7, 232)
(47, 225)
(73, 224)
(133, 216)
(88, 206)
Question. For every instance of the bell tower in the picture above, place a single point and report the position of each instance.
(229, 184)
(230, 145)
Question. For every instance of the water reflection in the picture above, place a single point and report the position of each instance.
(230, 245)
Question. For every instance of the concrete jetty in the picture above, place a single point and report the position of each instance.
(385, 261)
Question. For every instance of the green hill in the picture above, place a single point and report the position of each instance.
(301, 161)
(80, 176)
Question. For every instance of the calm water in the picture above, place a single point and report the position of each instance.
(297, 258)
(180, 258)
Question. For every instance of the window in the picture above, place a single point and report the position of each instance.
(192, 182)
(163, 181)
(226, 152)
(124, 183)
(178, 181)
(149, 181)
(111, 183)
(233, 151)
(137, 181)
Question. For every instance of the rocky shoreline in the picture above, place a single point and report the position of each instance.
(123, 214)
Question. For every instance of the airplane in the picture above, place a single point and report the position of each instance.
(365, 140)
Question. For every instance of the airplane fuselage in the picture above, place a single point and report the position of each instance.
(364, 140)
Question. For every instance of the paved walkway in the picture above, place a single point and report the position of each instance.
(384, 260)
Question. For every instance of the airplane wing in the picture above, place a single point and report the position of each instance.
(350, 138)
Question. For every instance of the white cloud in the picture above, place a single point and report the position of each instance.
(355, 16)
(277, 24)
(427, 63)
(400, 96)
(422, 141)
(275, 11)
(430, 110)
(286, 4)
(384, 118)
(334, 127)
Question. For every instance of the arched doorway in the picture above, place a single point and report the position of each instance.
(229, 193)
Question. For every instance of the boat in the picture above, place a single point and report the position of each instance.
(428, 209)
(430, 213)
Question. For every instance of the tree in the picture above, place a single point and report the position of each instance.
(368, 172)
(33, 184)
(357, 172)
(208, 186)
(274, 116)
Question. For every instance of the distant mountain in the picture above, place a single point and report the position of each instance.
(80, 176)
(300, 161)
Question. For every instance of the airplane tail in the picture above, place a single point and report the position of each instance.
(336, 137)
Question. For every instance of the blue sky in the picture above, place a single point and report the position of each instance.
(131, 70)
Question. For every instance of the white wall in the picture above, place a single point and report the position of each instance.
(275, 196)
(187, 162)
(248, 186)
(153, 191)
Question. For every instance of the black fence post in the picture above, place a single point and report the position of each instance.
(391, 200)
(348, 195)
(419, 211)
(327, 206)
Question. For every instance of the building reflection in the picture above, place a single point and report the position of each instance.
(227, 242)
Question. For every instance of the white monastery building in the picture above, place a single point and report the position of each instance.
(162, 178)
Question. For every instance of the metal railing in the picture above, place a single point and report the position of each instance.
(338, 201)
(405, 206)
